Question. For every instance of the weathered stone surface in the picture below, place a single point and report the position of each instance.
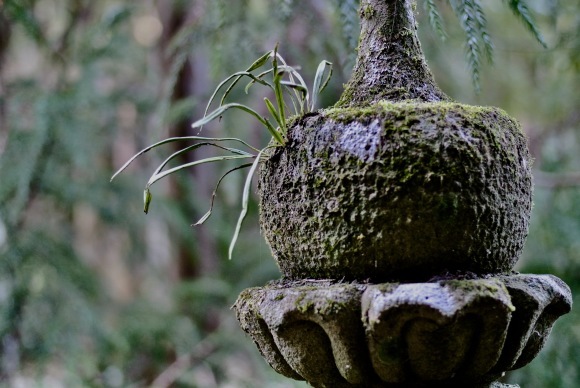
(540, 300)
(453, 332)
(500, 385)
(311, 330)
(436, 331)
(390, 64)
(397, 191)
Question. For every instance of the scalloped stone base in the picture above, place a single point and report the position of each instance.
(451, 332)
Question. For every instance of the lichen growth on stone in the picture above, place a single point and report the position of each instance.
(407, 189)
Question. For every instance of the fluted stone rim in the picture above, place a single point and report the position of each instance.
(449, 331)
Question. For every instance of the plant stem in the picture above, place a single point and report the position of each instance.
(390, 63)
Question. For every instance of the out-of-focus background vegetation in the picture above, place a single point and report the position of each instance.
(95, 293)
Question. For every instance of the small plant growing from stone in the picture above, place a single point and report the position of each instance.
(271, 71)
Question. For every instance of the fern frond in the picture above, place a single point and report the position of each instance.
(435, 19)
(348, 10)
(482, 27)
(24, 16)
(464, 9)
(520, 10)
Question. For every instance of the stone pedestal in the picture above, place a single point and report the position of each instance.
(454, 332)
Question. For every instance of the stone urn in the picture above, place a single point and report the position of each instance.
(396, 181)
(396, 218)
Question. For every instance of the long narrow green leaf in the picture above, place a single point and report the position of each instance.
(328, 76)
(297, 93)
(275, 133)
(233, 84)
(293, 73)
(220, 111)
(256, 65)
(297, 103)
(272, 110)
(295, 86)
(245, 201)
(280, 101)
(175, 139)
(279, 57)
(320, 81)
(155, 177)
(259, 76)
(213, 195)
(260, 61)
(290, 75)
(195, 146)
(265, 73)
(237, 77)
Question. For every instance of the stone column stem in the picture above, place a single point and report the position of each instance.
(390, 64)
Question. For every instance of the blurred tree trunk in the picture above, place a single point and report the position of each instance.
(175, 16)
(4, 40)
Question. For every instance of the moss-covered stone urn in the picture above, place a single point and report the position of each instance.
(396, 181)
(396, 218)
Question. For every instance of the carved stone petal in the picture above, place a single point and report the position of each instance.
(452, 332)
(436, 331)
(314, 332)
(540, 300)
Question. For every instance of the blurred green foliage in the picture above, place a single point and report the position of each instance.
(93, 293)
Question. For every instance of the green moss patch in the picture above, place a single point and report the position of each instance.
(398, 190)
